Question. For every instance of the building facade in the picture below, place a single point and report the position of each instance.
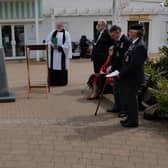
(18, 23)
(29, 21)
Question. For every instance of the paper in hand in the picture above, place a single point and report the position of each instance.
(113, 74)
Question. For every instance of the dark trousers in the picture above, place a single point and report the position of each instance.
(83, 52)
(58, 77)
(119, 102)
(116, 93)
(129, 96)
(98, 63)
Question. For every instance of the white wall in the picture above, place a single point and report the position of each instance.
(30, 34)
(45, 28)
(103, 4)
(77, 26)
(156, 34)
(145, 3)
(80, 4)
(83, 25)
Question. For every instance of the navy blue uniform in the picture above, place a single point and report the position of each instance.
(131, 76)
(120, 49)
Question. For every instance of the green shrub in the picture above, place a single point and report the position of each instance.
(159, 80)
(166, 3)
(155, 75)
(162, 96)
(162, 99)
(160, 84)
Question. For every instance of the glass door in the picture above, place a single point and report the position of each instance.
(13, 40)
(146, 33)
(7, 40)
(19, 36)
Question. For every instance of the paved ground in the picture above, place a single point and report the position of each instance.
(60, 131)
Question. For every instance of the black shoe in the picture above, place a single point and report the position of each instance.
(124, 121)
(130, 125)
(122, 114)
(113, 110)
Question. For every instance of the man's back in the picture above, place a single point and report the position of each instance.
(133, 63)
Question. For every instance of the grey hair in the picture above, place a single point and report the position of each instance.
(103, 21)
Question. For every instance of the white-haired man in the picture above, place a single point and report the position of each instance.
(101, 46)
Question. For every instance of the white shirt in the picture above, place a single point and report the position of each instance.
(99, 37)
(134, 41)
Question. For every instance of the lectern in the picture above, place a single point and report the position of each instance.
(34, 88)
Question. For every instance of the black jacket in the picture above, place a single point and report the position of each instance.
(132, 71)
(100, 50)
(120, 49)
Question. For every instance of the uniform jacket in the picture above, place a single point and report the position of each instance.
(120, 49)
(132, 71)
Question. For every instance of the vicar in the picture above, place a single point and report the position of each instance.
(60, 53)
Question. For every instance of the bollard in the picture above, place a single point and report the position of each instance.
(5, 94)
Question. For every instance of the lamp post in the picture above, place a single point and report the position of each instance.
(1, 46)
(118, 6)
(52, 18)
(116, 12)
(37, 26)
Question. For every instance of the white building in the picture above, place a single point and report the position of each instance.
(29, 21)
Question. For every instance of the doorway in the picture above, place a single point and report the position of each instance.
(13, 40)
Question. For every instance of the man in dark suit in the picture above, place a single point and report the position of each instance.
(131, 74)
(101, 46)
(122, 44)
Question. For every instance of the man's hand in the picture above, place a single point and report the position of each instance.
(101, 72)
(54, 46)
(108, 69)
(60, 49)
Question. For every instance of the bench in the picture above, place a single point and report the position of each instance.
(141, 91)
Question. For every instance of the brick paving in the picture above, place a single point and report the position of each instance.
(60, 131)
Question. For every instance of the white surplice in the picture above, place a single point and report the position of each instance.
(57, 56)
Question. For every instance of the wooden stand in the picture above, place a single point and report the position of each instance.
(30, 62)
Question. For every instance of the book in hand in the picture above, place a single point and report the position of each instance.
(54, 40)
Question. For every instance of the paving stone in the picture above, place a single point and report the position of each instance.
(60, 131)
